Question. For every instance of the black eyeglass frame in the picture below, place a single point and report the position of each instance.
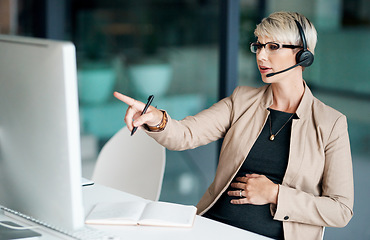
(261, 45)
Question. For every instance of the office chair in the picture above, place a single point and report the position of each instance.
(133, 164)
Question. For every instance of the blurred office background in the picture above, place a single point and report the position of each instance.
(171, 48)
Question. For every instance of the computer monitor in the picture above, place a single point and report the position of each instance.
(40, 163)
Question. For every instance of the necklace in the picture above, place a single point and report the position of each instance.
(272, 136)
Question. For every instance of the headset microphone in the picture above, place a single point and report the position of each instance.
(273, 74)
(304, 57)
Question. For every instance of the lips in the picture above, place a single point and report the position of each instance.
(264, 69)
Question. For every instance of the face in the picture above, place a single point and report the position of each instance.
(276, 61)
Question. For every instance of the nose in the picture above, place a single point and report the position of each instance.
(261, 55)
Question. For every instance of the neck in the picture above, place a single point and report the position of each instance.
(287, 95)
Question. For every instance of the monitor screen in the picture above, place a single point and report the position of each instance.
(40, 163)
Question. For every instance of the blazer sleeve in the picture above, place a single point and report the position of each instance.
(207, 126)
(334, 207)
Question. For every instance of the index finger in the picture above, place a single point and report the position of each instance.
(241, 179)
(129, 101)
(252, 175)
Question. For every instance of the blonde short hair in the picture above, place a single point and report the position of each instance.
(281, 27)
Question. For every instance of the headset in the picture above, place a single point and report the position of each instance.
(304, 57)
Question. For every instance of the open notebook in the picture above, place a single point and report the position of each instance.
(142, 213)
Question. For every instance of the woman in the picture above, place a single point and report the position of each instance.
(285, 168)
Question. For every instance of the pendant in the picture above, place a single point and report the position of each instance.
(272, 137)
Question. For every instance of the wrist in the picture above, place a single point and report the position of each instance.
(274, 194)
(160, 126)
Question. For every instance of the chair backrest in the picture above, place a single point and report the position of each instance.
(132, 164)
(323, 232)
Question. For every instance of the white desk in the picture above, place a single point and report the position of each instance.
(203, 228)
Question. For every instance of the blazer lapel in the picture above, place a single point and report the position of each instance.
(298, 137)
(255, 125)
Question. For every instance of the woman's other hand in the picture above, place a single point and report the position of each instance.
(254, 189)
(133, 117)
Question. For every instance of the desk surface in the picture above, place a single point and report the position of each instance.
(203, 228)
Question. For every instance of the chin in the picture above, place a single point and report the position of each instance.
(267, 79)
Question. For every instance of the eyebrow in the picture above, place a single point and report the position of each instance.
(268, 42)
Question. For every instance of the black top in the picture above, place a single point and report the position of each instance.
(269, 158)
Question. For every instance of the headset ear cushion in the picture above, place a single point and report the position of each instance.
(304, 58)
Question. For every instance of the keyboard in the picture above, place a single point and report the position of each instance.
(85, 233)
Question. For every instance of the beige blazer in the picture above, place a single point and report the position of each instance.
(317, 189)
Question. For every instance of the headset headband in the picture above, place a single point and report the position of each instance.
(301, 33)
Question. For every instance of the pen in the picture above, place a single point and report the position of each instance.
(150, 100)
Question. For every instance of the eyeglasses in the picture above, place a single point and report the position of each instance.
(270, 47)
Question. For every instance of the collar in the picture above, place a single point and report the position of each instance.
(304, 108)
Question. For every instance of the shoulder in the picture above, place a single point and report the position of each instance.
(325, 112)
(320, 112)
(243, 93)
(245, 99)
(329, 121)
